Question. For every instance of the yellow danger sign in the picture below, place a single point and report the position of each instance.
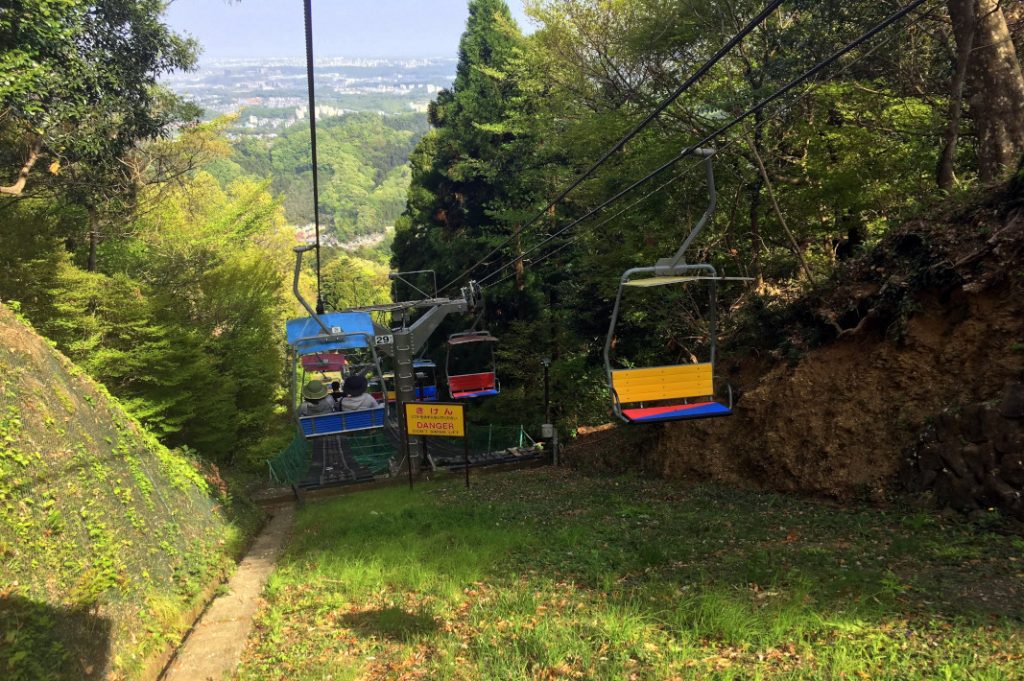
(440, 419)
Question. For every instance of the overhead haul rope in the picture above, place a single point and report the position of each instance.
(776, 116)
(686, 85)
(562, 247)
(308, 12)
(813, 71)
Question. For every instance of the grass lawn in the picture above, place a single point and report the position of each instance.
(546, 575)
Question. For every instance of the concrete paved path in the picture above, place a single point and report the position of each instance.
(213, 648)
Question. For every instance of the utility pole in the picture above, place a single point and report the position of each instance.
(408, 341)
(405, 391)
(547, 430)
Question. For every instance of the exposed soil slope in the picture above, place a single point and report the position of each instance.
(106, 537)
(835, 386)
(931, 317)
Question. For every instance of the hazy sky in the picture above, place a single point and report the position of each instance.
(274, 28)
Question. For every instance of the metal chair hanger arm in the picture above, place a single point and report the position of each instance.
(299, 250)
(668, 265)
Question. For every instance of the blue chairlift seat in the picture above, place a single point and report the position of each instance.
(426, 390)
(340, 422)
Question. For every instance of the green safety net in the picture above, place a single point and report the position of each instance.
(487, 439)
(291, 465)
(373, 451)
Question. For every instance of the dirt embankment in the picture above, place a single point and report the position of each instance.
(829, 402)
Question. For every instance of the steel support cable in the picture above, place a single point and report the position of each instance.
(777, 115)
(660, 187)
(810, 73)
(633, 132)
(308, 13)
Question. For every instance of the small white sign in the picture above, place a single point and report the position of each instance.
(383, 340)
(336, 331)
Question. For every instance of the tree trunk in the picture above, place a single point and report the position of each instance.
(755, 215)
(520, 268)
(19, 185)
(755, 232)
(94, 239)
(947, 160)
(797, 251)
(995, 81)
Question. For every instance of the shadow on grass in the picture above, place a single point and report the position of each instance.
(394, 624)
(678, 554)
(40, 641)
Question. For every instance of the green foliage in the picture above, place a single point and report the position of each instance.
(185, 279)
(177, 322)
(363, 173)
(31, 252)
(854, 165)
(349, 281)
(111, 329)
(464, 172)
(215, 264)
(80, 89)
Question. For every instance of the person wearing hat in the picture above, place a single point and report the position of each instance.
(316, 400)
(356, 398)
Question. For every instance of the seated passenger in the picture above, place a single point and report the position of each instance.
(315, 400)
(336, 392)
(356, 398)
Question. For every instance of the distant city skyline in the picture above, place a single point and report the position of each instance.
(274, 28)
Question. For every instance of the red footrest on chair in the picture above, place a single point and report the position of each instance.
(675, 412)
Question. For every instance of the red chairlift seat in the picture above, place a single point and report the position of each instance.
(464, 386)
(473, 385)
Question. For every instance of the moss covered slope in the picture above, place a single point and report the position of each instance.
(106, 537)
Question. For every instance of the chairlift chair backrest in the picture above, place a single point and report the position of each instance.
(463, 385)
(329, 362)
(425, 373)
(426, 380)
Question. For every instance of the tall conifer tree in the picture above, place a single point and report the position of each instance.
(458, 180)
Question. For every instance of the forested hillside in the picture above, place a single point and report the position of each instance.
(167, 299)
(898, 118)
(157, 254)
(364, 173)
